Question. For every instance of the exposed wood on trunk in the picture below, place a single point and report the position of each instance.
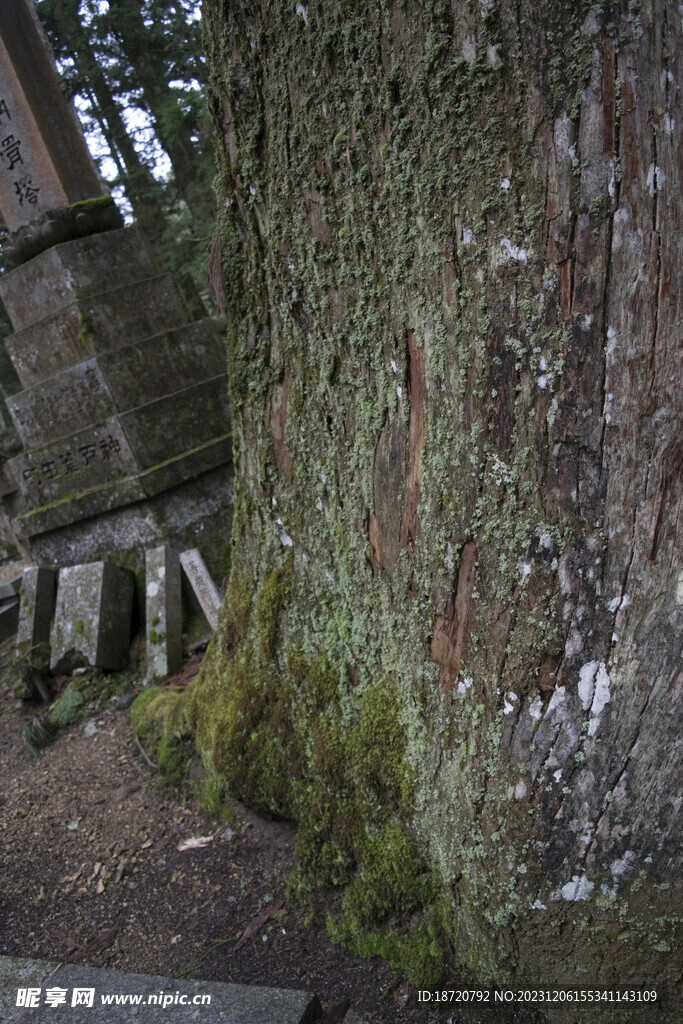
(377, 557)
(450, 630)
(416, 391)
(278, 409)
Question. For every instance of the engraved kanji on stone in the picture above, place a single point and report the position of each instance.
(4, 111)
(11, 151)
(49, 469)
(91, 380)
(26, 190)
(68, 461)
(110, 446)
(88, 452)
(30, 475)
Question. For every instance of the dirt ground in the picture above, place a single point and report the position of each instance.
(93, 871)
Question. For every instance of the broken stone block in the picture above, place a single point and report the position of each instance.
(10, 588)
(164, 643)
(92, 617)
(202, 584)
(37, 606)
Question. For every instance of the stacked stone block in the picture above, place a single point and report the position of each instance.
(123, 399)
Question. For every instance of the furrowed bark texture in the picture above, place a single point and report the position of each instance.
(451, 645)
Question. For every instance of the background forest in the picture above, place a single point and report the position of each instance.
(137, 75)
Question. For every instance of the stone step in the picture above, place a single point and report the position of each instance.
(96, 323)
(67, 272)
(161, 999)
(123, 491)
(117, 381)
(124, 444)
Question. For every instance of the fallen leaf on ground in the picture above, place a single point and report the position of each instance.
(194, 844)
(255, 926)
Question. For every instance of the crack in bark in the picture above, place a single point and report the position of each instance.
(417, 391)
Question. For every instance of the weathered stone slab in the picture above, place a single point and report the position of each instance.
(96, 323)
(177, 423)
(38, 591)
(202, 584)
(133, 312)
(161, 998)
(65, 273)
(94, 389)
(163, 364)
(164, 642)
(112, 495)
(198, 506)
(60, 405)
(95, 456)
(43, 349)
(93, 615)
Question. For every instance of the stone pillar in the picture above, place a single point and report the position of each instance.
(203, 586)
(50, 189)
(164, 639)
(38, 590)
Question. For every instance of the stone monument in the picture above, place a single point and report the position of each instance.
(49, 186)
(38, 592)
(92, 617)
(164, 617)
(204, 588)
(123, 411)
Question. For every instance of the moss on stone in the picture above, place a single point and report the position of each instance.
(66, 709)
(94, 203)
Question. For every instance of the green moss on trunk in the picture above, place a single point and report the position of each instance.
(439, 509)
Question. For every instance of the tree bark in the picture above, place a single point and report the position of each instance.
(451, 645)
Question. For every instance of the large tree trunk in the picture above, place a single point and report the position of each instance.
(451, 645)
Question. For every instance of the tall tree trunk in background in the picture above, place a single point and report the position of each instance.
(174, 128)
(451, 645)
(65, 23)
